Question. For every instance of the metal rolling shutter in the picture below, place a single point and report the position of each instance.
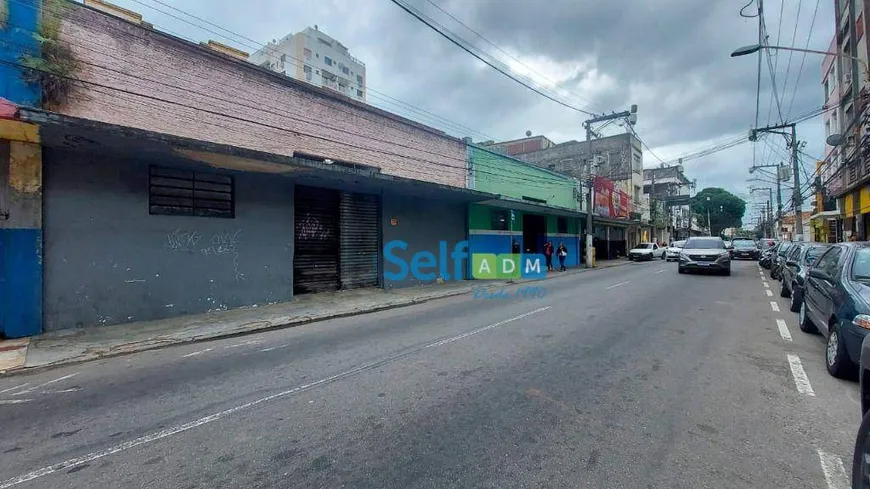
(360, 240)
(315, 257)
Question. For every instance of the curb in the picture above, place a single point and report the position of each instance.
(159, 343)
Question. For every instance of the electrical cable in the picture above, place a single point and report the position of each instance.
(791, 53)
(803, 58)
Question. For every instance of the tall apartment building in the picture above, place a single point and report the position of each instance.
(665, 186)
(316, 58)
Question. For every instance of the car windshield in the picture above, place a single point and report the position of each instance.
(645, 246)
(744, 244)
(705, 244)
(678, 244)
(783, 248)
(861, 265)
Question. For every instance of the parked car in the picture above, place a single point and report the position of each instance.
(646, 251)
(837, 304)
(744, 248)
(778, 258)
(705, 254)
(673, 251)
(765, 258)
(794, 272)
(861, 455)
(766, 243)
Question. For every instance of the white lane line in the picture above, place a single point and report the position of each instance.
(15, 388)
(783, 329)
(768, 292)
(765, 284)
(197, 353)
(40, 386)
(835, 472)
(764, 279)
(267, 349)
(246, 343)
(13, 401)
(774, 306)
(617, 285)
(801, 381)
(660, 271)
(164, 433)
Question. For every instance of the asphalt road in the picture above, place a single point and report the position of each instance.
(633, 376)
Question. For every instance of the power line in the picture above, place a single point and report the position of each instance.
(791, 53)
(803, 58)
(419, 17)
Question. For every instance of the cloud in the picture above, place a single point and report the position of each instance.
(670, 57)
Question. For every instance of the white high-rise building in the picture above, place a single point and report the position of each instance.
(316, 58)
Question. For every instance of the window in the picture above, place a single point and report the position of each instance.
(306, 53)
(345, 70)
(307, 70)
(861, 264)
(705, 244)
(562, 225)
(500, 220)
(327, 60)
(828, 262)
(359, 93)
(359, 79)
(827, 90)
(283, 58)
(186, 193)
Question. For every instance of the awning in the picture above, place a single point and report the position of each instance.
(827, 215)
(534, 207)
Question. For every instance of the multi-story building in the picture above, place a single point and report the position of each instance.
(667, 187)
(316, 58)
(847, 172)
(617, 158)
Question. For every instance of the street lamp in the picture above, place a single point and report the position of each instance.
(709, 227)
(754, 48)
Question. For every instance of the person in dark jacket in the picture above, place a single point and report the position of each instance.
(548, 254)
(562, 252)
(515, 248)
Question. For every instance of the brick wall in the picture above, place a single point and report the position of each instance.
(235, 103)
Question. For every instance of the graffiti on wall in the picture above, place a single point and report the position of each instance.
(220, 244)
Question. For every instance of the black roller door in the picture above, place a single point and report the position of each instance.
(316, 251)
(360, 240)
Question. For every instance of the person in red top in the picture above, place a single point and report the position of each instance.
(548, 254)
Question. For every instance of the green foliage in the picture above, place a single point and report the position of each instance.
(726, 209)
(54, 68)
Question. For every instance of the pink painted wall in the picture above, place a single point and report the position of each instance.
(235, 103)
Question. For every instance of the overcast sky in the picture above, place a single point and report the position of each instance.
(670, 57)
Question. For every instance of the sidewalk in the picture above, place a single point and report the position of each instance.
(79, 345)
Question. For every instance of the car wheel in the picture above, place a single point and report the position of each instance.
(804, 321)
(663, 256)
(861, 455)
(727, 272)
(795, 304)
(836, 359)
(680, 270)
(783, 291)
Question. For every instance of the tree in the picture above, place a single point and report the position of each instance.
(726, 209)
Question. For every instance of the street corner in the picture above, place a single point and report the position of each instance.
(13, 353)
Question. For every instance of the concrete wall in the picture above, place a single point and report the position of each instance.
(108, 261)
(200, 94)
(422, 224)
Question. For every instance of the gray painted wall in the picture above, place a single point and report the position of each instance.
(422, 223)
(108, 261)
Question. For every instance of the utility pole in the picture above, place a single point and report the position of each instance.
(631, 117)
(770, 220)
(779, 174)
(798, 215)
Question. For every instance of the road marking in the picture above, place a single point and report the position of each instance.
(835, 473)
(783, 329)
(15, 388)
(764, 279)
(774, 306)
(660, 271)
(252, 342)
(167, 432)
(765, 284)
(197, 353)
(761, 273)
(801, 381)
(768, 292)
(13, 401)
(25, 391)
(268, 349)
(617, 285)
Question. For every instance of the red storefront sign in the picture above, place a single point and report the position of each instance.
(610, 201)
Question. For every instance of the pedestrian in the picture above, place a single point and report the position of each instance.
(562, 251)
(854, 237)
(548, 255)
(516, 248)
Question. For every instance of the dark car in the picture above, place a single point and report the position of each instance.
(794, 272)
(778, 258)
(744, 249)
(837, 304)
(705, 254)
(861, 455)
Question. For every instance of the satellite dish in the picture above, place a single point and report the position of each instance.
(528, 133)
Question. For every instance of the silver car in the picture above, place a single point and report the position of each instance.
(705, 253)
(673, 252)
